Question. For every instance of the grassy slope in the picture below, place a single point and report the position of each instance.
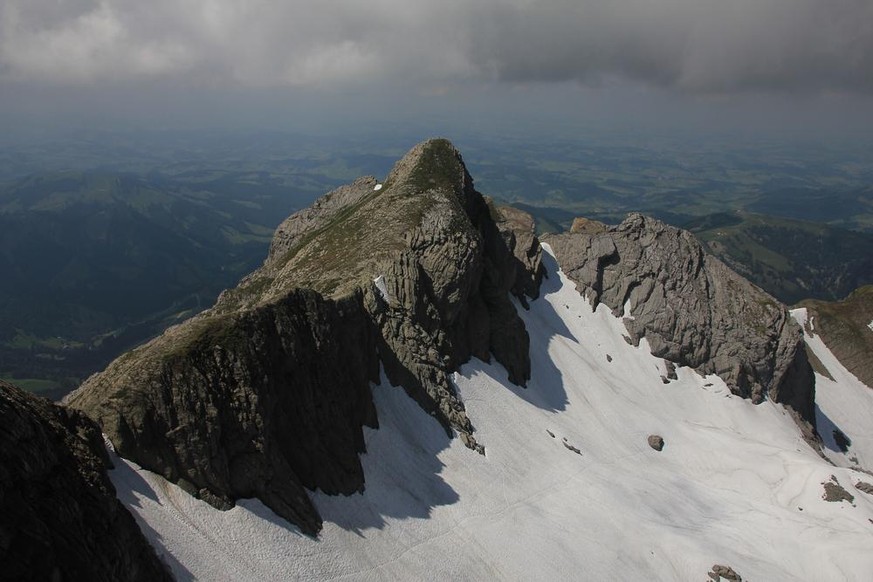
(791, 259)
(334, 257)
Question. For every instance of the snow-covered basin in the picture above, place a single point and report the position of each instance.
(735, 483)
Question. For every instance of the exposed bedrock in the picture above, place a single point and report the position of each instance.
(691, 308)
(265, 394)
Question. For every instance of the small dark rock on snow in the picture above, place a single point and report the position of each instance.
(718, 572)
(834, 492)
(671, 370)
(864, 487)
(571, 447)
(656, 442)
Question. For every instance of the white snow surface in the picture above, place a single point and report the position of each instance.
(377, 187)
(734, 485)
(379, 282)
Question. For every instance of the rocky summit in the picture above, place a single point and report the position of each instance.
(691, 308)
(61, 519)
(265, 394)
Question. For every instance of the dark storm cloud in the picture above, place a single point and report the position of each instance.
(696, 45)
(699, 46)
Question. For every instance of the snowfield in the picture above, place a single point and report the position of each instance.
(735, 484)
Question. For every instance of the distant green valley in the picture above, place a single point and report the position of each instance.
(791, 259)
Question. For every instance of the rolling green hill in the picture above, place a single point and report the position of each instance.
(92, 263)
(790, 259)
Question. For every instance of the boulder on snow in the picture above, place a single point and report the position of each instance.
(864, 487)
(671, 370)
(656, 442)
(570, 447)
(834, 492)
(720, 572)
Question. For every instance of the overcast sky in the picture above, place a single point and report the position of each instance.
(234, 62)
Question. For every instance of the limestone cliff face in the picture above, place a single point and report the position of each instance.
(691, 308)
(59, 517)
(265, 394)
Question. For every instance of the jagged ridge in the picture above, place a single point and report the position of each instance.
(692, 309)
(265, 394)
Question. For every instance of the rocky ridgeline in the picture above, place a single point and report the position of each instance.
(61, 519)
(265, 395)
(691, 308)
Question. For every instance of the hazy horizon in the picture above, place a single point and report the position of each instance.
(771, 67)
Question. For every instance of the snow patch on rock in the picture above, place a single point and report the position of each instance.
(382, 289)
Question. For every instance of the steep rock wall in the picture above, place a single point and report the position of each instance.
(691, 308)
(265, 394)
(59, 516)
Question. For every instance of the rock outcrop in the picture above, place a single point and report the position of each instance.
(692, 309)
(834, 492)
(720, 572)
(864, 487)
(265, 394)
(59, 516)
(519, 232)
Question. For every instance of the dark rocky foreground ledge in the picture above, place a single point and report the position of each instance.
(692, 309)
(59, 516)
(265, 395)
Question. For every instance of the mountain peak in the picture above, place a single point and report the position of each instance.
(353, 233)
(266, 393)
(432, 164)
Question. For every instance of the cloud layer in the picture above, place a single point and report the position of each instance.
(698, 46)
